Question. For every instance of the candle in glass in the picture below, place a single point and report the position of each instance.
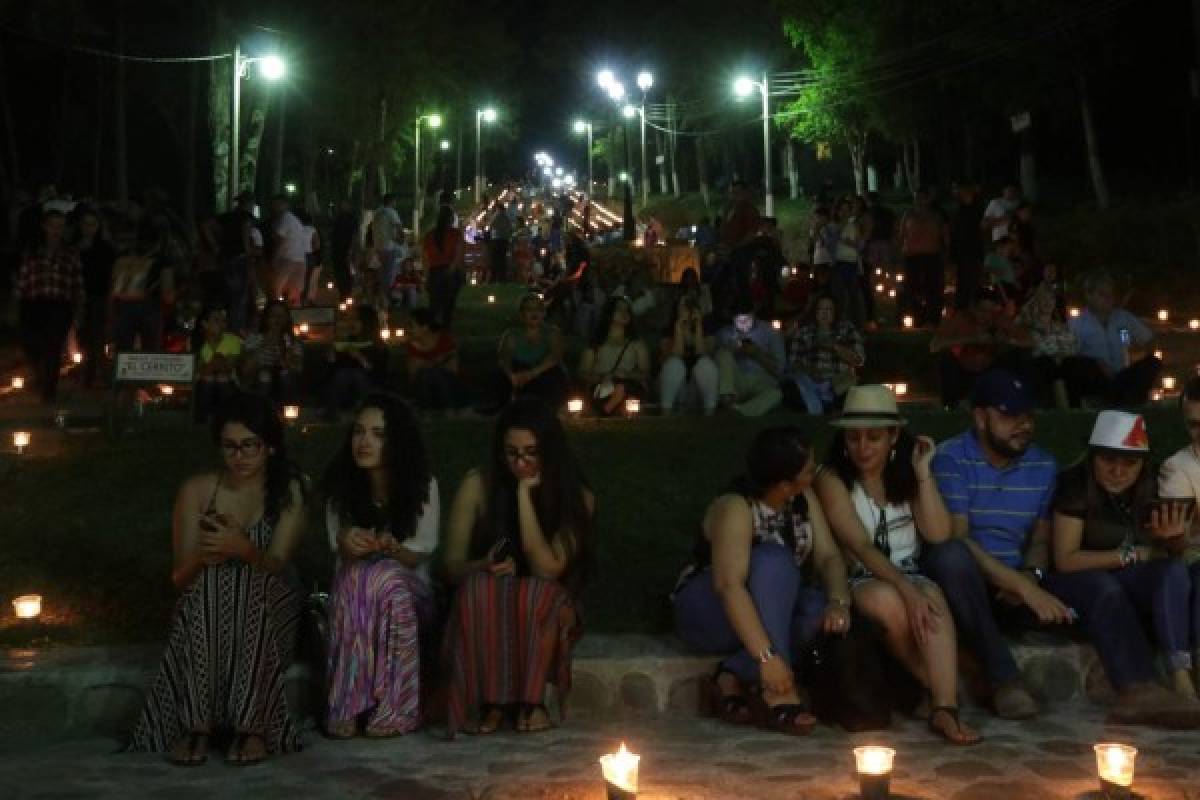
(874, 767)
(621, 773)
(1114, 764)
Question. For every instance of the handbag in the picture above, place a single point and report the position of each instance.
(604, 389)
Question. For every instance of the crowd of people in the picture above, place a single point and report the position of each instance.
(909, 547)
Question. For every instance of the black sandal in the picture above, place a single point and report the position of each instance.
(782, 718)
(962, 739)
(731, 708)
(191, 759)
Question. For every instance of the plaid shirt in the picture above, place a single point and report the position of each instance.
(43, 276)
(820, 362)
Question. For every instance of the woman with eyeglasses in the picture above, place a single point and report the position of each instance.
(517, 548)
(882, 503)
(382, 520)
(233, 629)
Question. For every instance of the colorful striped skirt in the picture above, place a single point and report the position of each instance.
(376, 611)
(507, 638)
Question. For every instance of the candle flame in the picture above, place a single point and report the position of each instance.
(874, 760)
(1115, 762)
(621, 769)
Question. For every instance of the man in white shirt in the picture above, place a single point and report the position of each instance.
(1106, 335)
(999, 211)
(386, 231)
(291, 246)
(1179, 477)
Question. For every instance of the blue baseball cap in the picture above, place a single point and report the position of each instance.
(1003, 391)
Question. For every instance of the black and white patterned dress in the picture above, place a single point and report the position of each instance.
(232, 636)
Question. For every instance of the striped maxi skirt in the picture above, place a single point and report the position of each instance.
(508, 637)
(376, 612)
(232, 637)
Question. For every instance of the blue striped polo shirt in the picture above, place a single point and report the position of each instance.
(1002, 506)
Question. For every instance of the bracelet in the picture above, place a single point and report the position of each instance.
(1128, 555)
(767, 654)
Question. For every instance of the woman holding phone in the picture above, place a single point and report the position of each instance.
(882, 503)
(1114, 567)
(517, 548)
(233, 629)
(382, 520)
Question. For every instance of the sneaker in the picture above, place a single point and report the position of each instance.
(1013, 701)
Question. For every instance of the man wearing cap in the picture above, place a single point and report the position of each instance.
(1179, 477)
(1107, 335)
(1111, 565)
(998, 489)
(975, 340)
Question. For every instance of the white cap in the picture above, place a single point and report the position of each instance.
(1120, 430)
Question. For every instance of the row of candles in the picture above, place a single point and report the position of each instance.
(873, 766)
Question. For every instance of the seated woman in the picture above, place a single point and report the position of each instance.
(744, 595)
(517, 548)
(882, 502)
(1110, 565)
(531, 358)
(382, 520)
(686, 360)
(357, 361)
(432, 358)
(216, 352)
(272, 358)
(233, 629)
(823, 359)
(617, 364)
(1057, 364)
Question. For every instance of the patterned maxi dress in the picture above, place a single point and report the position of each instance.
(232, 636)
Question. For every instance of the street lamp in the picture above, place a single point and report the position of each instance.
(481, 115)
(645, 80)
(434, 121)
(584, 126)
(742, 87)
(445, 145)
(271, 68)
(605, 78)
(616, 91)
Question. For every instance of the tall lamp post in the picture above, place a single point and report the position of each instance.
(645, 80)
(272, 68)
(434, 121)
(742, 87)
(585, 126)
(482, 115)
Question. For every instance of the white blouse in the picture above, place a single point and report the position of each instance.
(902, 537)
(423, 541)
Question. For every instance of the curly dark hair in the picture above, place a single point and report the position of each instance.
(347, 487)
(777, 454)
(258, 415)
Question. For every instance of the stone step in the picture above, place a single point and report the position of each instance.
(98, 690)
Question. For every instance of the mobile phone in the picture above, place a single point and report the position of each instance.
(1165, 504)
(502, 551)
(1125, 337)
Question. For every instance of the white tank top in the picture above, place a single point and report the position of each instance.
(901, 539)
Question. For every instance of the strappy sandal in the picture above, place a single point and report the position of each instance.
(525, 720)
(794, 719)
(237, 752)
(196, 741)
(960, 739)
(731, 708)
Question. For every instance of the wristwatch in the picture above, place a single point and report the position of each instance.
(1038, 574)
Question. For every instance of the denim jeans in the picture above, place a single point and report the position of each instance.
(790, 612)
(1111, 605)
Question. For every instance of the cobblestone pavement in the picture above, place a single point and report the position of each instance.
(1041, 760)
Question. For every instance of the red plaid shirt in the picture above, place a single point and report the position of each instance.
(57, 276)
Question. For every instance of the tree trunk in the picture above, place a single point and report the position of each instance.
(220, 108)
(120, 138)
(613, 173)
(702, 170)
(661, 149)
(248, 165)
(280, 128)
(1095, 167)
(857, 143)
(793, 168)
(189, 144)
(673, 144)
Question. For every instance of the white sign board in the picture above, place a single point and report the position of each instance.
(156, 367)
(314, 315)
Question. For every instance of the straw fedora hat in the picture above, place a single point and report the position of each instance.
(870, 406)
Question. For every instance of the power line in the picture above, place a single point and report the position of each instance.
(95, 51)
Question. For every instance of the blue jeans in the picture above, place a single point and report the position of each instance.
(1112, 605)
(790, 612)
(815, 397)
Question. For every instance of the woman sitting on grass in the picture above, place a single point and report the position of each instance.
(882, 502)
(617, 364)
(233, 629)
(216, 351)
(382, 520)
(517, 548)
(358, 361)
(272, 358)
(687, 363)
(744, 595)
(531, 359)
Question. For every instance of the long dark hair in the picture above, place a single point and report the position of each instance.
(777, 454)
(558, 501)
(258, 414)
(198, 332)
(347, 487)
(899, 475)
(605, 321)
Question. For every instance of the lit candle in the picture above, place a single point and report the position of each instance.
(879, 287)
(329, 285)
(575, 405)
(295, 330)
(1163, 315)
(874, 766)
(28, 606)
(491, 298)
(18, 382)
(21, 440)
(399, 333)
(474, 281)
(1114, 763)
(1169, 382)
(879, 270)
(632, 405)
(908, 321)
(349, 301)
(1194, 324)
(1074, 312)
(795, 271)
(777, 324)
(1158, 354)
(621, 773)
(291, 413)
(341, 306)
(1156, 396)
(166, 391)
(891, 292)
(899, 277)
(303, 328)
(77, 358)
(385, 334)
(901, 389)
